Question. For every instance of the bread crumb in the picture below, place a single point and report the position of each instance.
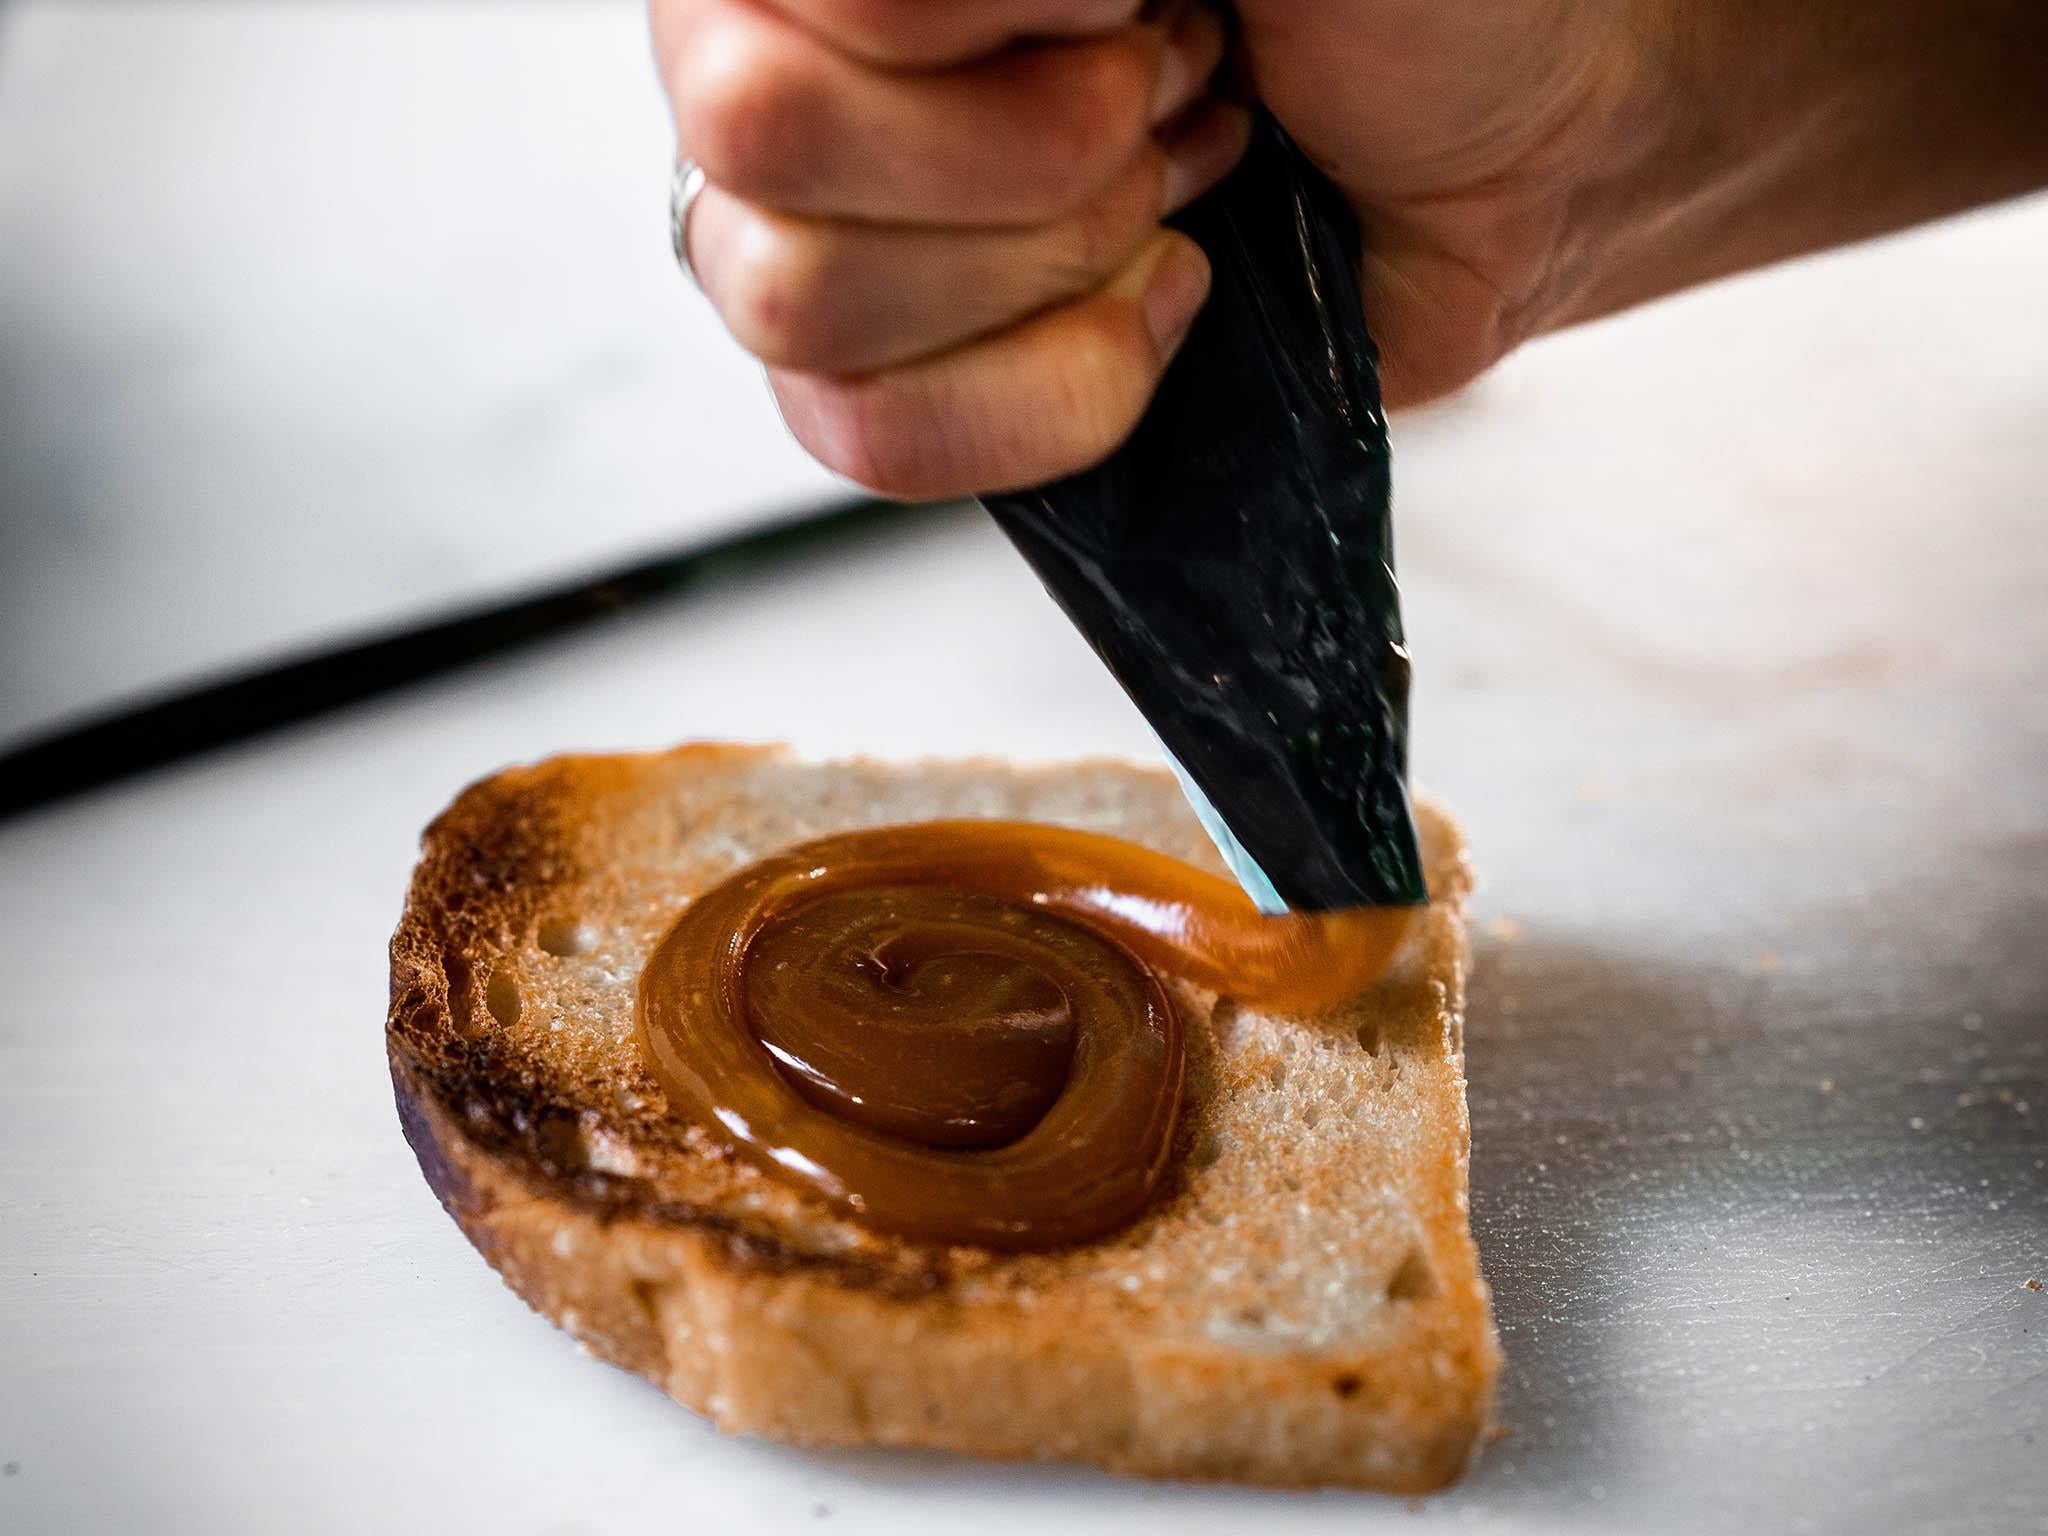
(1826, 1085)
(1917, 1124)
(607, 1153)
(2031, 1285)
(1506, 929)
(1769, 963)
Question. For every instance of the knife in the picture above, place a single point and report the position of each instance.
(1232, 563)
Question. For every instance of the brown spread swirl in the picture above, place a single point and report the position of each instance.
(956, 1030)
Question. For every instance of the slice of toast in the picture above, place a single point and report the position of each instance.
(1300, 1304)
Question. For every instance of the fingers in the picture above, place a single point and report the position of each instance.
(1039, 400)
(835, 297)
(778, 117)
(937, 221)
(838, 297)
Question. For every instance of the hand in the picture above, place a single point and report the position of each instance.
(937, 221)
(945, 243)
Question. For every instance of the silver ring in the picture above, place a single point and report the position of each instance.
(683, 192)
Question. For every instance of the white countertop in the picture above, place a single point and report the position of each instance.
(1730, 633)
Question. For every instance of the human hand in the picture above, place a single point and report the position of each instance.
(938, 221)
(946, 244)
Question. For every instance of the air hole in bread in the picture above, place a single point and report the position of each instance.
(1277, 1074)
(565, 936)
(461, 1006)
(1207, 1148)
(1369, 1036)
(1414, 1280)
(501, 996)
(1346, 1385)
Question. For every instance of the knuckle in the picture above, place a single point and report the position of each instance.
(893, 455)
(855, 429)
(742, 113)
(777, 303)
(1108, 230)
(1094, 121)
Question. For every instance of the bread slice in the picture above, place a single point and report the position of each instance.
(1301, 1304)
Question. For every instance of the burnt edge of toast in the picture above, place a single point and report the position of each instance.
(488, 863)
(505, 1143)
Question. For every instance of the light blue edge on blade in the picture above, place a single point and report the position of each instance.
(1246, 868)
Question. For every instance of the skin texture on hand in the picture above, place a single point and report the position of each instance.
(938, 222)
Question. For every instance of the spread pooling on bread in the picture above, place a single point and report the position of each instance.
(957, 1030)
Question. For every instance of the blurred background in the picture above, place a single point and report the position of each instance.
(317, 316)
(318, 319)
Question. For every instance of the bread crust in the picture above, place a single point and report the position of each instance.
(1300, 1305)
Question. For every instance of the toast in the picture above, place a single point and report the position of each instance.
(1299, 1304)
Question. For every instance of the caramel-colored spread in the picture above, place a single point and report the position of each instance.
(956, 1030)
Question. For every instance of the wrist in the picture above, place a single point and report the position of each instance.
(1744, 133)
(1688, 126)
(1591, 220)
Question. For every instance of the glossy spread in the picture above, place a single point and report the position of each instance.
(956, 1030)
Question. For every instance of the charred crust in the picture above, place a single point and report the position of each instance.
(517, 1139)
(754, 1250)
(465, 1094)
(506, 1131)
(445, 1176)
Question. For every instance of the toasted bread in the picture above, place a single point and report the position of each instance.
(1300, 1304)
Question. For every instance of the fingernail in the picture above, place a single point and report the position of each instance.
(1174, 293)
(1201, 149)
(1193, 49)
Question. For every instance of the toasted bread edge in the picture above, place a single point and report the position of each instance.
(762, 1338)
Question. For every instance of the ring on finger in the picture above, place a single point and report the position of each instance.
(684, 189)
